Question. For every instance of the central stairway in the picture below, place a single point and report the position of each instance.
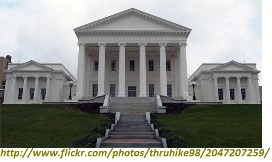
(132, 131)
(132, 105)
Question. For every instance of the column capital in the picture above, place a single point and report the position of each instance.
(142, 44)
(122, 44)
(162, 44)
(238, 77)
(227, 77)
(101, 44)
(182, 44)
(14, 77)
(36, 77)
(215, 77)
(81, 44)
(25, 77)
(48, 77)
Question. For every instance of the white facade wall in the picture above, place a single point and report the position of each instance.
(32, 70)
(205, 88)
(132, 77)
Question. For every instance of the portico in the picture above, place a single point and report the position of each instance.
(33, 83)
(230, 83)
(115, 54)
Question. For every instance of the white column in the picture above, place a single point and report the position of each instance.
(7, 91)
(81, 71)
(25, 90)
(101, 69)
(13, 90)
(36, 95)
(182, 68)
(250, 90)
(216, 99)
(122, 70)
(257, 91)
(142, 70)
(47, 89)
(227, 90)
(87, 91)
(163, 75)
(239, 95)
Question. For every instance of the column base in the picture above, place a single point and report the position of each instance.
(77, 97)
(100, 95)
(187, 97)
(163, 94)
(121, 95)
(142, 95)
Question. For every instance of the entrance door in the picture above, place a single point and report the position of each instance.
(131, 91)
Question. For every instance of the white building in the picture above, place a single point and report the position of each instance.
(132, 54)
(230, 82)
(33, 82)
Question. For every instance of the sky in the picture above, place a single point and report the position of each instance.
(42, 30)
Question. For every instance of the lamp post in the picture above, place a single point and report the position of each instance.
(71, 85)
(194, 84)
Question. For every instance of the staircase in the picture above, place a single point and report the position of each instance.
(132, 131)
(132, 105)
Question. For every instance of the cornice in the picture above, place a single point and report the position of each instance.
(234, 63)
(131, 32)
(17, 68)
(135, 12)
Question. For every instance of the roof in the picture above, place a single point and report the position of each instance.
(40, 67)
(223, 67)
(133, 11)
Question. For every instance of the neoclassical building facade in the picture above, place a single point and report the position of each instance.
(33, 83)
(132, 54)
(230, 83)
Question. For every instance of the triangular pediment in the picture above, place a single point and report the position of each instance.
(232, 66)
(31, 65)
(132, 20)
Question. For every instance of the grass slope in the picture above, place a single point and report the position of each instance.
(47, 125)
(213, 126)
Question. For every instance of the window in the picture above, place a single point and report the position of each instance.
(232, 96)
(95, 65)
(31, 93)
(43, 93)
(20, 93)
(151, 90)
(151, 65)
(243, 93)
(112, 90)
(132, 65)
(220, 94)
(169, 90)
(131, 91)
(95, 90)
(113, 64)
(168, 65)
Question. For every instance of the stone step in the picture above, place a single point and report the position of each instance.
(132, 106)
(131, 143)
(132, 122)
(131, 127)
(131, 136)
(132, 130)
(132, 99)
(132, 118)
(131, 133)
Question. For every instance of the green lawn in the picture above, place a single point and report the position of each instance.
(50, 126)
(213, 126)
